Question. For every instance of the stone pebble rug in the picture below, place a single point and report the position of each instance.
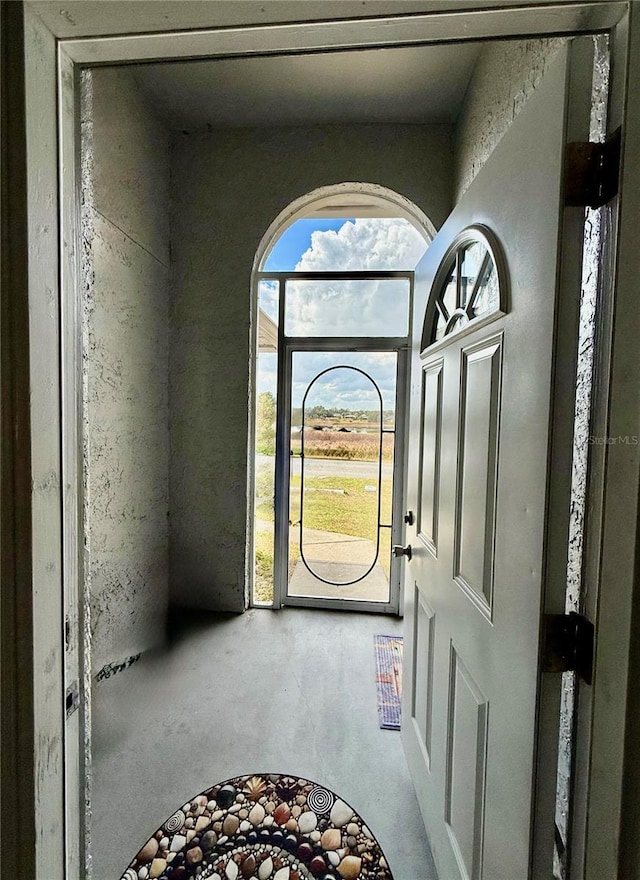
(262, 827)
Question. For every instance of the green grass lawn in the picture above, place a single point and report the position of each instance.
(352, 513)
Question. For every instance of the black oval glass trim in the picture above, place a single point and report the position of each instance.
(300, 543)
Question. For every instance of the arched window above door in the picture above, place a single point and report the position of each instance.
(470, 285)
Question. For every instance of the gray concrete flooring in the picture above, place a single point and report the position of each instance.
(277, 692)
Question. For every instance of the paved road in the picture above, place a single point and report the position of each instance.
(332, 467)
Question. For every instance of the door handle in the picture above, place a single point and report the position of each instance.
(399, 550)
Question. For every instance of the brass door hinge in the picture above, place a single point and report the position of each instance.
(592, 172)
(568, 644)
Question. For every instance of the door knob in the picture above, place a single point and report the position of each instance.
(399, 550)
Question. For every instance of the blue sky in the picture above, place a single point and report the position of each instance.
(295, 240)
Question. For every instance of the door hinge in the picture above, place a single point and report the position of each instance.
(592, 172)
(72, 699)
(568, 644)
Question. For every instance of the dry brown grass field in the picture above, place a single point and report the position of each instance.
(342, 444)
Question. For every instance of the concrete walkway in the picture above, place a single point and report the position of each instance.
(338, 558)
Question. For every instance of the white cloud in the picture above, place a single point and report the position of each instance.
(346, 389)
(364, 243)
(343, 388)
(356, 308)
(347, 308)
(268, 298)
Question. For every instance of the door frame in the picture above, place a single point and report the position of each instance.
(287, 345)
(48, 578)
(339, 345)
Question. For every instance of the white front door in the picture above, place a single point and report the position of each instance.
(483, 491)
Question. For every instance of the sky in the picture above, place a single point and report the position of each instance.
(294, 241)
(370, 308)
(351, 244)
(340, 388)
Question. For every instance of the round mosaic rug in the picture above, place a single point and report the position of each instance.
(262, 827)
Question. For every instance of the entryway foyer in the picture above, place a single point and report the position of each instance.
(281, 692)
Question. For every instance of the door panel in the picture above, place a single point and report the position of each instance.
(474, 538)
(466, 765)
(480, 445)
(422, 673)
(427, 522)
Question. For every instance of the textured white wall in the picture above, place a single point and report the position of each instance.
(504, 76)
(227, 187)
(125, 329)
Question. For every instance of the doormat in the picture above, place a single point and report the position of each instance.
(389, 679)
(265, 826)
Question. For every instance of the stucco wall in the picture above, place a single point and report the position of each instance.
(125, 330)
(227, 187)
(504, 76)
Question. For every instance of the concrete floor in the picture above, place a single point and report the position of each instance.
(277, 692)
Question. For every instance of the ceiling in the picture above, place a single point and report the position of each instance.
(424, 84)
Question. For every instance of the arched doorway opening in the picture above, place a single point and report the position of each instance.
(332, 305)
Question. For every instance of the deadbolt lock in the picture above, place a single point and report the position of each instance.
(399, 550)
(409, 518)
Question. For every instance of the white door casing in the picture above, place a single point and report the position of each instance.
(479, 482)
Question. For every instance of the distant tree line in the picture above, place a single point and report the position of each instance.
(266, 419)
(320, 413)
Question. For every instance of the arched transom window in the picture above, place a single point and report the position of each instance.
(470, 285)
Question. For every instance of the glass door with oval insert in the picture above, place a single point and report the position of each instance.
(343, 461)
